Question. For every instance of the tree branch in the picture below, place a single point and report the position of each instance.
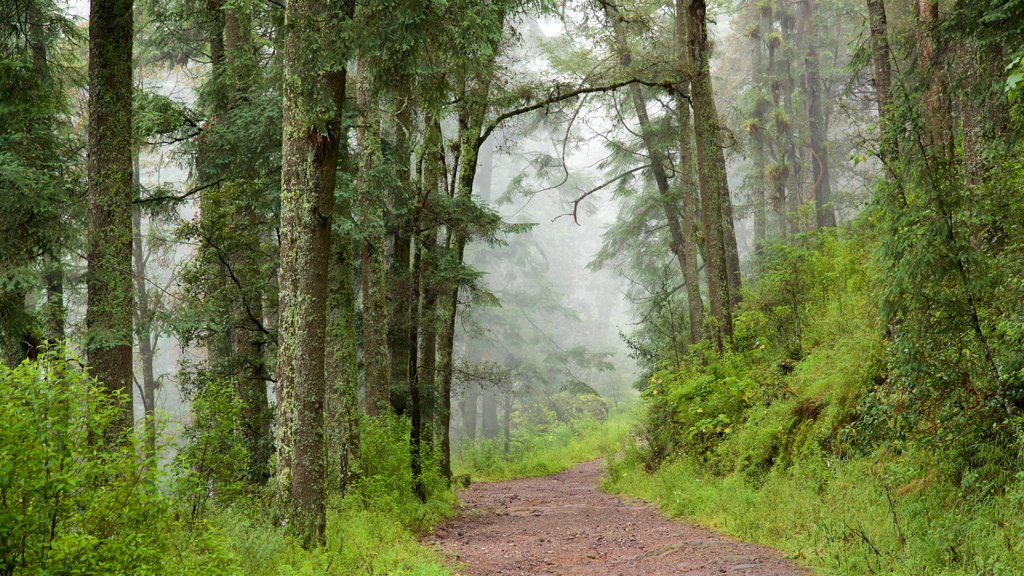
(560, 96)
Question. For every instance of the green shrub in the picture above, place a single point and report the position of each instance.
(69, 505)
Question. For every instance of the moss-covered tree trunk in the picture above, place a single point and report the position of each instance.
(401, 301)
(373, 254)
(687, 176)
(936, 100)
(314, 88)
(714, 186)
(431, 186)
(756, 131)
(108, 314)
(882, 69)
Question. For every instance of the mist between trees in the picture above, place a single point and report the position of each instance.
(280, 234)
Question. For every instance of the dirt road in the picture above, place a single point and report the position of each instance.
(563, 524)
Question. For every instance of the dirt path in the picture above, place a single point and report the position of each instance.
(563, 524)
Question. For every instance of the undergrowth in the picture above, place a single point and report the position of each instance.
(798, 436)
(542, 452)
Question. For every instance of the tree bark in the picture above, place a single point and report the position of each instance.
(714, 186)
(825, 214)
(882, 79)
(687, 177)
(310, 145)
(936, 107)
(376, 364)
(108, 316)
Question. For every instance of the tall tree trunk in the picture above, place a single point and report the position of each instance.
(882, 79)
(471, 118)
(431, 185)
(211, 205)
(309, 160)
(759, 81)
(415, 402)
(445, 349)
(342, 403)
(714, 186)
(247, 337)
(687, 177)
(658, 168)
(376, 364)
(791, 151)
(506, 409)
(936, 106)
(144, 333)
(825, 214)
(489, 413)
(400, 295)
(108, 316)
(53, 268)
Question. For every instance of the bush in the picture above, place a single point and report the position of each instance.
(69, 505)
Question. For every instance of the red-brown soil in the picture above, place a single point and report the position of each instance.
(563, 524)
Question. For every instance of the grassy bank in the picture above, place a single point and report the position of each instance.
(804, 436)
(871, 515)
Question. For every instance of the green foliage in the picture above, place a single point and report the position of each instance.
(372, 529)
(212, 461)
(67, 504)
(877, 514)
(806, 348)
(534, 452)
(806, 436)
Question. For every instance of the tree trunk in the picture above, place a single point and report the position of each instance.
(471, 118)
(246, 330)
(714, 186)
(470, 409)
(144, 332)
(936, 107)
(108, 316)
(400, 300)
(489, 414)
(659, 163)
(342, 402)
(506, 409)
(376, 364)
(443, 415)
(882, 79)
(825, 214)
(426, 245)
(309, 161)
(687, 177)
(759, 77)
(791, 152)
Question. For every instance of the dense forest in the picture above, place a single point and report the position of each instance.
(280, 278)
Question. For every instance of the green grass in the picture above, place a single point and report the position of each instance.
(376, 528)
(871, 515)
(541, 453)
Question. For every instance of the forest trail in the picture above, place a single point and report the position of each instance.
(563, 524)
